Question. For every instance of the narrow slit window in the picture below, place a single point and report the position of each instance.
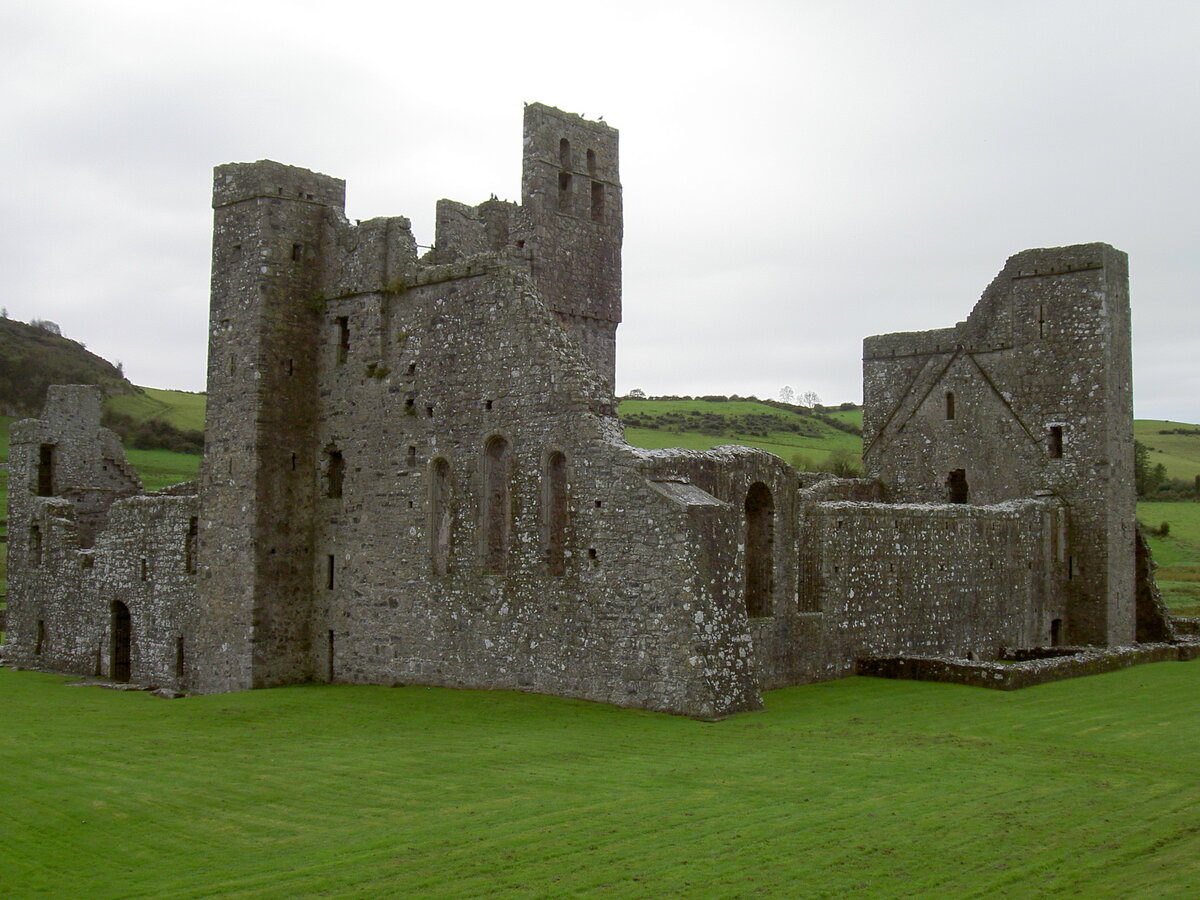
(554, 499)
(335, 473)
(343, 326)
(591, 162)
(41, 637)
(297, 252)
(440, 517)
(35, 544)
(190, 546)
(597, 201)
(949, 405)
(179, 656)
(329, 574)
(564, 154)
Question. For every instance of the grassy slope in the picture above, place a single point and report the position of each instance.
(860, 787)
(183, 410)
(1178, 554)
(1179, 453)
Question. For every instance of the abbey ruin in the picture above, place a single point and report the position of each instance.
(414, 474)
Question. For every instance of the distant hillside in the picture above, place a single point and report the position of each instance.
(798, 435)
(806, 438)
(33, 357)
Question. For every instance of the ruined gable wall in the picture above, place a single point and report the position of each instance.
(1044, 353)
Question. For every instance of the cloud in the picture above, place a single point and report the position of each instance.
(796, 176)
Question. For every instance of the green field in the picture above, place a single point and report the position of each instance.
(854, 788)
(1178, 453)
(1178, 554)
(163, 468)
(182, 409)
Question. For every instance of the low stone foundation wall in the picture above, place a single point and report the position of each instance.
(1185, 625)
(1039, 669)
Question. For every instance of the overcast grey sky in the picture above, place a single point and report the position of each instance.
(797, 175)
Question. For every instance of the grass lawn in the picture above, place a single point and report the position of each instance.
(1178, 554)
(861, 787)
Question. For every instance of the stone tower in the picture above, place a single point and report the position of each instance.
(571, 196)
(257, 483)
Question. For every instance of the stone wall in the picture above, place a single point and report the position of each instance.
(1030, 396)
(92, 549)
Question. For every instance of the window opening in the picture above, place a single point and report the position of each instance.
(41, 637)
(329, 574)
(760, 550)
(554, 501)
(193, 536)
(45, 475)
(1056, 633)
(1054, 442)
(497, 507)
(597, 201)
(179, 656)
(440, 517)
(949, 405)
(564, 154)
(343, 325)
(591, 162)
(335, 473)
(35, 544)
(297, 252)
(564, 191)
(957, 489)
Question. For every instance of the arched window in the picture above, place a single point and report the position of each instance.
(591, 162)
(497, 508)
(554, 511)
(760, 550)
(564, 154)
(439, 516)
